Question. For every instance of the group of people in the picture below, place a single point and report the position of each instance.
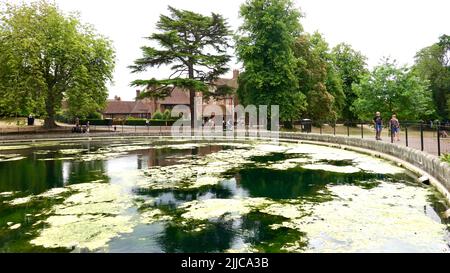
(226, 125)
(80, 128)
(394, 126)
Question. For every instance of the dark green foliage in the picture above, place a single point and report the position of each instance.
(167, 115)
(351, 67)
(264, 45)
(97, 122)
(57, 58)
(128, 122)
(157, 115)
(433, 64)
(318, 78)
(391, 89)
(196, 48)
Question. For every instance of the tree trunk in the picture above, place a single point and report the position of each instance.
(288, 124)
(192, 97)
(49, 122)
(191, 105)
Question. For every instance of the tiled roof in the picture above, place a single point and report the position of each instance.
(178, 96)
(181, 96)
(230, 82)
(127, 107)
(141, 107)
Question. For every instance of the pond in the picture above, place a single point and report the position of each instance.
(163, 195)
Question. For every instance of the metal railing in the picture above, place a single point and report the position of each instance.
(425, 136)
(431, 137)
(68, 129)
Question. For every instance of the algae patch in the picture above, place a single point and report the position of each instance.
(332, 168)
(216, 208)
(361, 161)
(11, 157)
(388, 218)
(153, 216)
(82, 232)
(88, 219)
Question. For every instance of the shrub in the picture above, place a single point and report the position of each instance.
(128, 122)
(98, 122)
(64, 117)
(94, 115)
(135, 122)
(167, 115)
(133, 118)
(446, 158)
(158, 115)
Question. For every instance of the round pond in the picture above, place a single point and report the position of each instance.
(156, 195)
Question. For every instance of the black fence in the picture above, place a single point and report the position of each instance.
(432, 137)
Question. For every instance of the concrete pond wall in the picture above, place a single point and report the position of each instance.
(431, 164)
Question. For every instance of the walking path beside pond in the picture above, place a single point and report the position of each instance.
(65, 131)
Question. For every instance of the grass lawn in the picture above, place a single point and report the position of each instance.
(19, 121)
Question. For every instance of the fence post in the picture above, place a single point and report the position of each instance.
(438, 125)
(348, 130)
(421, 136)
(390, 130)
(406, 135)
(334, 128)
(320, 126)
(362, 129)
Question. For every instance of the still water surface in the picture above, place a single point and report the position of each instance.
(174, 196)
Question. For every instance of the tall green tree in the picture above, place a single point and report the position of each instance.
(47, 56)
(318, 78)
(433, 64)
(391, 89)
(195, 46)
(351, 67)
(264, 45)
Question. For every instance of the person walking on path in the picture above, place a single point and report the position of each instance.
(378, 122)
(394, 125)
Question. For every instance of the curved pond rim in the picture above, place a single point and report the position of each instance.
(413, 170)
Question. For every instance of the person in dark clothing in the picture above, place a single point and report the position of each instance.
(378, 122)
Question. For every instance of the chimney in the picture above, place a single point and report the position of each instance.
(138, 93)
(235, 74)
(117, 98)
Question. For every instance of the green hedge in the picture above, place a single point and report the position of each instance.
(98, 122)
(153, 122)
(129, 122)
(156, 122)
(135, 122)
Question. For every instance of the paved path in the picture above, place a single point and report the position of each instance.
(430, 139)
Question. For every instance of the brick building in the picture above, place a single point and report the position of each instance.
(145, 108)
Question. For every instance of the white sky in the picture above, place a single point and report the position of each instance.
(377, 28)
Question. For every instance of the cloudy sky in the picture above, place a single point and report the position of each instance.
(377, 28)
